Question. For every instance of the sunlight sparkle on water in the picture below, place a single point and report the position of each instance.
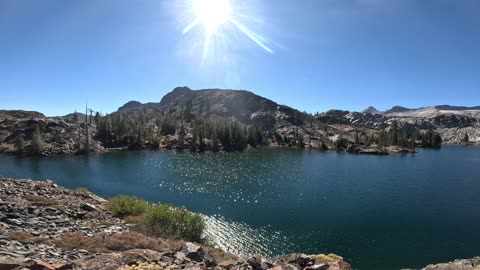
(243, 240)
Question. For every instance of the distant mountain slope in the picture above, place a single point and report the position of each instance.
(71, 116)
(456, 108)
(433, 111)
(267, 114)
(371, 110)
(396, 109)
(239, 104)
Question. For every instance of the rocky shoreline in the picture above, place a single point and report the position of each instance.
(44, 226)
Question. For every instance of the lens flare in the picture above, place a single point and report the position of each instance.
(219, 20)
(212, 13)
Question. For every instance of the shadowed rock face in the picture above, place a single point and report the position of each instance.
(238, 104)
(396, 109)
(371, 110)
(131, 106)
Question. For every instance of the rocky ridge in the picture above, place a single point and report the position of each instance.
(452, 122)
(452, 127)
(59, 136)
(64, 135)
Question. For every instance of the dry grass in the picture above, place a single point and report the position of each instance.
(20, 236)
(71, 241)
(115, 242)
(42, 200)
(134, 240)
(81, 190)
(26, 237)
(132, 219)
(41, 240)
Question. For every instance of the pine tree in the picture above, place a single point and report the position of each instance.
(187, 112)
(87, 132)
(207, 109)
(79, 144)
(97, 118)
(75, 116)
(181, 134)
(20, 144)
(394, 133)
(466, 139)
(37, 143)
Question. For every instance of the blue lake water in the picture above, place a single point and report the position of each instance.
(378, 212)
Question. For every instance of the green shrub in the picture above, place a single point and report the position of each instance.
(159, 220)
(167, 221)
(124, 205)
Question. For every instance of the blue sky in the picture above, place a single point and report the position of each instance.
(345, 54)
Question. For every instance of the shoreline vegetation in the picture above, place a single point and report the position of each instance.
(152, 131)
(232, 120)
(44, 226)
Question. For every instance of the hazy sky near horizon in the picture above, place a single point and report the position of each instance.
(312, 55)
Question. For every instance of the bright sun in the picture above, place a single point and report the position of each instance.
(218, 20)
(212, 13)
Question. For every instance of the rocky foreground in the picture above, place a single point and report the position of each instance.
(44, 226)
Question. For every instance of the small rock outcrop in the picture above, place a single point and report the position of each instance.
(464, 264)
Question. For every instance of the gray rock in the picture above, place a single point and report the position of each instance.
(88, 207)
(193, 252)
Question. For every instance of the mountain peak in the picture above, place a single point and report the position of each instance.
(371, 110)
(397, 109)
(131, 105)
(174, 94)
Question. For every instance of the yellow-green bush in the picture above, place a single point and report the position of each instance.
(322, 258)
(164, 220)
(124, 205)
(159, 220)
(81, 190)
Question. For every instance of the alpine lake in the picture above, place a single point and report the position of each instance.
(378, 212)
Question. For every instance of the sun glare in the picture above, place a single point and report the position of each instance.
(212, 13)
(219, 19)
